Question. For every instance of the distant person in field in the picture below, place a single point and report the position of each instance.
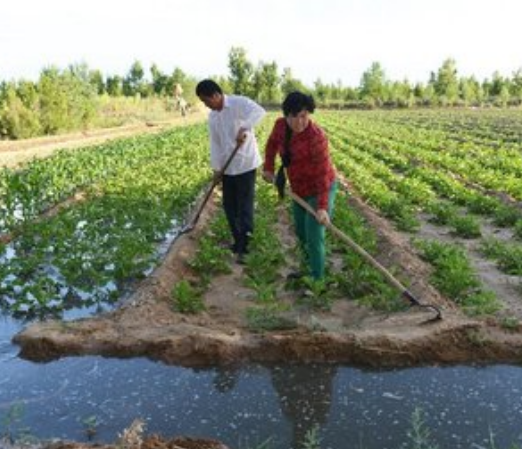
(181, 103)
(303, 147)
(183, 106)
(231, 122)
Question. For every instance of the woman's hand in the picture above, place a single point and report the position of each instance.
(268, 177)
(323, 217)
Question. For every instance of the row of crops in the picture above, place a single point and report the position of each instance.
(429, 165)
(131, 196)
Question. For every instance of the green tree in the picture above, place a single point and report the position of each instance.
(321, 92)
(336, 93)
(17, 119)
(114, 85)
(266, 81)
(81, 96)
(160, 81)
(446, 83)
(67, 99)
(400, 94)
(373, 85)
(499, 90)
(241, 71)
(53, 101)
(27, 91)
(470, 91)
(291, 84)
(134, 82)
(351, 95)
(96, 79)
(516, 86)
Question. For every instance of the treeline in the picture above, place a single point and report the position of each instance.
(76, 98)
(444, 88)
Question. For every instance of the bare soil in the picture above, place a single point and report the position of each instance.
(147, 324)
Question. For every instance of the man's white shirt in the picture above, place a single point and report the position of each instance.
(238, 112)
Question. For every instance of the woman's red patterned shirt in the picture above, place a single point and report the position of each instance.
(311, 172)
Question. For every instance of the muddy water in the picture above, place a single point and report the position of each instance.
(463, 407)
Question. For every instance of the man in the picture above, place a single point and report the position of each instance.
(231, 122)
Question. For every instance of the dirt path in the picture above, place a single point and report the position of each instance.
(13, 153)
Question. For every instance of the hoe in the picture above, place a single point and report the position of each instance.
(215, 181)
(362, 252)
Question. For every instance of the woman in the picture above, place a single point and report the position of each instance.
(303, 147)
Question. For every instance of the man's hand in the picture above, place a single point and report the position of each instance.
(323, 217)
(268, 177)
(216, 176)
(241, 135)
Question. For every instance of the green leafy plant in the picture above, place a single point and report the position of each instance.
(507, 255)
(419, 435)
(442, 212)
(312, 440)
(317, 294)
(268, 318)
(466, 226)
(507, 216)
(186, 298)
(210, 258)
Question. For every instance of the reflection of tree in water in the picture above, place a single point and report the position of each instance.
(305, 394)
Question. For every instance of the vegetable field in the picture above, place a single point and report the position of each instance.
(81, 228)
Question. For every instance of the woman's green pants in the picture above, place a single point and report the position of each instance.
(311, 234)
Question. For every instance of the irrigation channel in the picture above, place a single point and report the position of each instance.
(244, 407)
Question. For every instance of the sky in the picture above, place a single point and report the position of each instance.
(328, 40)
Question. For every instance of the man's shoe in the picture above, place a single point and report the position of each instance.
(241, 258)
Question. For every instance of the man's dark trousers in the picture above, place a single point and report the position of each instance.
(238, 203)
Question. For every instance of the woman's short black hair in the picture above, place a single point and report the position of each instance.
(295, 102)
(207, 88)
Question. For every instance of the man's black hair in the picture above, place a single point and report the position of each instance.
(207, 88)
(295, 102)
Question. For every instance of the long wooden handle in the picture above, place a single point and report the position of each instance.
(215, 182)
(341, 235)
(366, 256)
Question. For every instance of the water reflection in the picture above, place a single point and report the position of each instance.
(246, 406)
(305, 395)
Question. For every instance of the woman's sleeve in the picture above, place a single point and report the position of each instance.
(273, 145)
(321, 160)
